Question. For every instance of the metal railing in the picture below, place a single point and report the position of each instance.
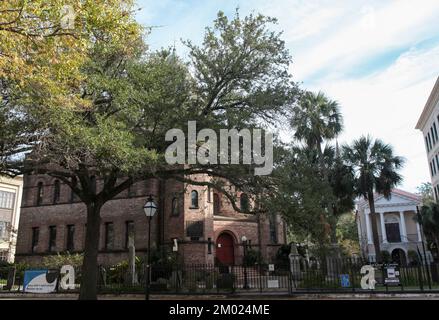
(324, 275)
(344, 274)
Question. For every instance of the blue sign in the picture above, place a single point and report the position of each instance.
(40, 281)
(344, 278)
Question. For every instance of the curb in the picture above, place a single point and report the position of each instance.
(316, 296)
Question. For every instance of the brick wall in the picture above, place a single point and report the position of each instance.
(128, 206)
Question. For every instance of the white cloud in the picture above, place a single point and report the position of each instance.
(388, 104)
(328, 39)
(369, 31)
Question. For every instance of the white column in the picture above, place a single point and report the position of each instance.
(368, 228)
(383, 228)
(418, 229)
(403, 226)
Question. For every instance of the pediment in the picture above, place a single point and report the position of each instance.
(399, 199)
(395, 200)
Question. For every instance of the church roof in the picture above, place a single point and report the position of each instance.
(405, 194)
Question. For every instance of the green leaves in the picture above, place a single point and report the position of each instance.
(43, 58)
(429, 215)
(425, 190)
(241, 71)
(375, 165)
(316, 118)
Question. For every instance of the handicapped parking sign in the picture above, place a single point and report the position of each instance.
(344, 278)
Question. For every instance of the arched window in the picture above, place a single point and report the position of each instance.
(194, 199)
(39, 193)
(216, 204)
(56, 191)
(244, 202)
(174, 210)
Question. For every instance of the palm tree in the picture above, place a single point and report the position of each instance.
(316, 118)
(376, 170)
(341, 181)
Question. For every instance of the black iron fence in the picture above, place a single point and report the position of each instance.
(344, 275)
(300, 276)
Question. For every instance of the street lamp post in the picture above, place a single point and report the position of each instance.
(244, 243)
(149, 208)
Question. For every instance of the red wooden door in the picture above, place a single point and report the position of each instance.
(225, 251)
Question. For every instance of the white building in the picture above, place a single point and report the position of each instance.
(10, 202)
(428, 123)
(398, 230)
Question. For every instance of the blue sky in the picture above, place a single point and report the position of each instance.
(378, 59)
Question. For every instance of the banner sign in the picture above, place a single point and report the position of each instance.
(392, 275)
(40, 281)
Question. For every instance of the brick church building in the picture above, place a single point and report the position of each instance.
(207, 228)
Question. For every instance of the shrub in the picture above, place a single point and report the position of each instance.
(59, 260)
(117, 273)
(317, 280)
(163, 256)
(20, 268)
(385, 255)
(225, 281)
(252, 257)
(4, 269)
(282, 255)
(413, 257)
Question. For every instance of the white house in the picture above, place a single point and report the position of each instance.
(10, 202)
(428, 123)
(398, 230)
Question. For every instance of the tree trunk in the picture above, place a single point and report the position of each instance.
(89, 277)
(322, 162)
(376, 239)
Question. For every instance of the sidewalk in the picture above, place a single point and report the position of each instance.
(321, 296)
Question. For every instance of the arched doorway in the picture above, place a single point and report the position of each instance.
(225, 249)
(398, 256)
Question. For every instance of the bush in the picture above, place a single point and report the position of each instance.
(163, 256)
(4, 269)
(413, 257)
(252, 257)
(317, 280)
(385, 256)
(20, 268)
(225, 281)
(116, 274)
(59, 260)
(282, 255)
